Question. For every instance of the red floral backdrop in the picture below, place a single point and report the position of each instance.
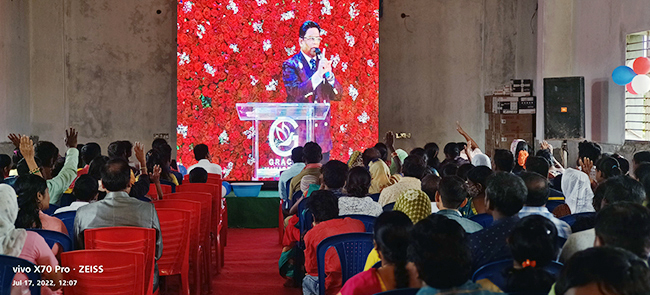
(232, 52)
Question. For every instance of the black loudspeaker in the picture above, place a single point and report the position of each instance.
(564, 108)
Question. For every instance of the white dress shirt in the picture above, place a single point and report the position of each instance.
(209, 167)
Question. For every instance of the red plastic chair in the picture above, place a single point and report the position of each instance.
(121, 272)
(217, 225)
(126, 238)
(204, 228)
(153, 194)
(195, 244)
(175, 257)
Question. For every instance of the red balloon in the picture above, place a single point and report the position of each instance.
(641, 65)
(628, 86)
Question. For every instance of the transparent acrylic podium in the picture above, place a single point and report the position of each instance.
(308, 112)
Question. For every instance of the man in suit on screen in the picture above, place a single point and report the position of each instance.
(308, 78)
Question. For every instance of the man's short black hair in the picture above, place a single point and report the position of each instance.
(47, 152)
(506, 193)
(85, 188)
(312, 153)
(96, 166)
(116, 175)
(503, 160)
(589, 149)
(158, 142)
(538, 188)
(547, 155)
(335, 173)
(623, 189)
(430, 185)
(642, 170)
(5, 161)
(440, 252)
(612, 270)
(383, 150)
(414, 166)
(200, 152)
(625, 225)
(306, 26)
(538, 165)
(420, 152)
(198, 175)
(120, 149)
(463, 170)
(640, 157)
(370, 155)
(323, 205)
(479, 175)
(451, 150)
(452, 191)
(297, 155)
(90, 151)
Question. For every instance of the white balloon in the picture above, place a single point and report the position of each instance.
(630, 63)
(641, 84)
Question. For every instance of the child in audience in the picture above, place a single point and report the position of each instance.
(357, 200)
(604, 271)
(533, 243)
(476, 184)
(198, 175)
(324, 207)
(607, 167)
(442, 258)
(85, 190)
(390, 233)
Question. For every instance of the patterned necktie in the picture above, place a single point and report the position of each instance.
(312, 64)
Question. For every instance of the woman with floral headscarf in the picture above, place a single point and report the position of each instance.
(23, 244)
(415, 204)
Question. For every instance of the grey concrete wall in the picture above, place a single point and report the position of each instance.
(437, 63)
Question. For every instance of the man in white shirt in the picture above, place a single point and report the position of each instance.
(286, 175)
(202, 155)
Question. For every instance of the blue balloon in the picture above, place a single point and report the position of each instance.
(623, 75)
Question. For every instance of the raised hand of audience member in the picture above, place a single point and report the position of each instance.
(586, 165)
(138, 150)
(71, 138)
(546, 146)
(15, 139)
(390, 141)
(471, 144)
(27, 150)
(154, 176)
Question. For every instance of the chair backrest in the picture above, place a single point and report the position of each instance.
(68, 221)
(215, 191)
(388, 207)
(214, 178)
(305, 219)
(405, 291)
(352, 249)
(51, 209)
(571, 219)
(54, 237)
(173, 226)
(7, 273)
(495, 271)
(484, 219)
(296, 195)
(368, 221)
(195, 218)
(288, 189)
(375, 197)
(121, 272)
(126, 238)
(206, 211)
(153, 194)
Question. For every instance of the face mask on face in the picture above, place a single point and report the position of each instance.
(472, 190)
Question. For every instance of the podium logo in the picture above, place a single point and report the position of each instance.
(283, 136)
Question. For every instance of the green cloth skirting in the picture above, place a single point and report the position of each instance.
(259, 212)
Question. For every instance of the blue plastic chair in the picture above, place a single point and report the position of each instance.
(405, 291)
(484, 219)
(50, 211)
(352, 248)
(54, 237)
(7, 263)
(551, 205)
(287, 201)
(388, 207)
(305, 220)
(375, 197)
(571, 219)
(68, 220)
(495, 271)
(368, 221)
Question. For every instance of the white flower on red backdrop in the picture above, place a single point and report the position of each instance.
(200, 30)
(251, 160)
(376, 14)
(323, 32)
(183, 58)
(349, 39)
(272, 85)
(335, 60)
(209, 69)
(371, 63)
(344, 66)
(287, 15)
(187, 7)
(233, 6)
(228, 169)
(223, 137)
(350, 152)
(182, 130)
(353, 92)
(260, 2)
(343, 128)
(354, 12)
(377, 40)
(253, 80)
(363, 118)
(266, 45)
(290, 51)
(234, 47)
(327, 8)
(257, 27)
(250, 132)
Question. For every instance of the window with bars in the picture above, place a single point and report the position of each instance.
(637, 106)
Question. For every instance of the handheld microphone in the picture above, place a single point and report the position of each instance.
(318, 52)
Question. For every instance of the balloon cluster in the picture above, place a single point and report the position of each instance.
(635, 78)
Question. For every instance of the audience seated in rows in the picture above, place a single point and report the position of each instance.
(413, 170)
(380, 172)
(86, 190)
(323, 205)
(121, 149)
(48, 154)
(296, 166)
(538, 192)
(541, 166)
(312, 154)
(450, 197)
(357, 200)
(430, 185)
(476, 184)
